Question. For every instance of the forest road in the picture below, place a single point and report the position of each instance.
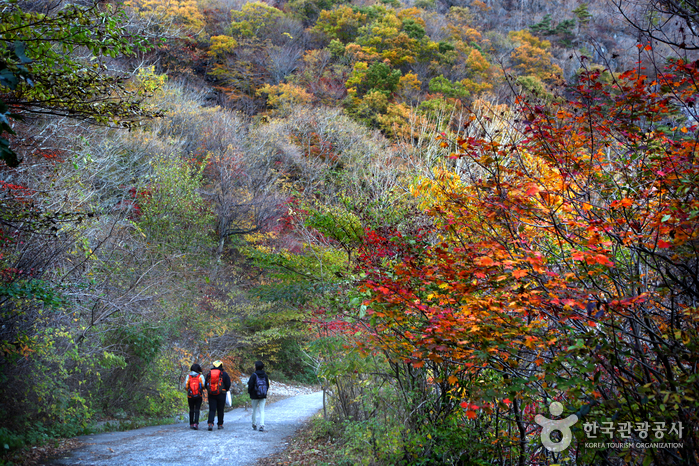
(235, 445)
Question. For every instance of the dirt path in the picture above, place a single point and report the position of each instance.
(236, 445)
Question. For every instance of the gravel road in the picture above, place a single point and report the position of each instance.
(236, 445)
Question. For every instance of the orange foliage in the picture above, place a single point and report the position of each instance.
(558, 259)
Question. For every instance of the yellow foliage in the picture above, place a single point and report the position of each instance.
(374, 102)
(148, 81)
(474, 87)
(400, 49)
(460, 25)
(221, 45)
(284, 97)
(254, 17)
(409, 81)
(481, 6)
(356, 78)
(412, 13)
(482, 74)
(340, 23)
(387, 37)
(387, 26)
(260, 238)
(532, 56)
(358, 53)
(437, 190)
(464, 34)
(180, 12)
(525, 37)
(409, 87)
(477, 62)
(395, 121)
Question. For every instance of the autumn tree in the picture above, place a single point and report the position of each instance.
(310, 10)
(264, 45)
(341, 23)
(558, 267)
(323, 75)
(532, 56)
(168, 17)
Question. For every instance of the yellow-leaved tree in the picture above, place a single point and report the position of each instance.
(168, 16)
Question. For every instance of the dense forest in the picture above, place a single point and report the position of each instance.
(447, 213)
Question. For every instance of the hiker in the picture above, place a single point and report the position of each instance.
(194, 384)
(217, 384)
(258, 385)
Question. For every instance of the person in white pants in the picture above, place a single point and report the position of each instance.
(258, 386)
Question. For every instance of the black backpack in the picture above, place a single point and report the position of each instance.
(260, 386)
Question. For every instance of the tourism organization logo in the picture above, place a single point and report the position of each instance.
(550, 426)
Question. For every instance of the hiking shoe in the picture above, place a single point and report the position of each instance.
(196, 427)
(262, 428)
(211, 427)
(191, 426)
(220, 427)
(254, 427)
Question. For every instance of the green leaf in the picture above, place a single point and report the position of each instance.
(7, 154)
(20, 48)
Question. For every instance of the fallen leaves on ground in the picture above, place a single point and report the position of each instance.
(304, 448)
(31, 456)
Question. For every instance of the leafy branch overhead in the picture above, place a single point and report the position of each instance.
(45, 70)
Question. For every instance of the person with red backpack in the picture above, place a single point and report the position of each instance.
(194, 384)
(258, 386)
(217, 384)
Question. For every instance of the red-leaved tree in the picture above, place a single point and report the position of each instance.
(563, 265)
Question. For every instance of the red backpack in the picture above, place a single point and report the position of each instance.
(194, 387)
(214, 382)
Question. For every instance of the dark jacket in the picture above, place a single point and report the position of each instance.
(224, 377)
(253, 380)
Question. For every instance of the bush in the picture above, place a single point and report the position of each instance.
(163, 402)
(10, 440)
(292, 362)
(323, 428)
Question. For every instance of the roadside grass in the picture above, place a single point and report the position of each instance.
(34, 446)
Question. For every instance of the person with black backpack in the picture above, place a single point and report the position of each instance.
(194, 384)
(258, 386)
(217, 384)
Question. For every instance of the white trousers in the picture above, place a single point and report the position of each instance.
(258, 404)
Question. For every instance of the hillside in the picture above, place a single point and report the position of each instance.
(448, 214)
